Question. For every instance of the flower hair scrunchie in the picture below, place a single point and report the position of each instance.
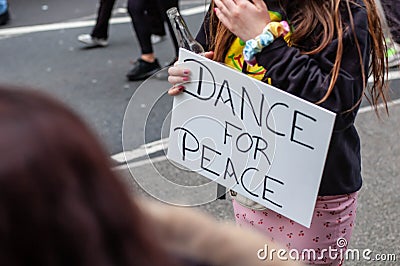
(272, 31)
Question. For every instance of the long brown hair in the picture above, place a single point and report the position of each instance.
(324, 17)
(60, 202)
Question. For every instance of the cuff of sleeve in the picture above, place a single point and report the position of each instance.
(276, 44)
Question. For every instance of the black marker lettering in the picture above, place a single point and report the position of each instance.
(261, 148)
(270, 191)
(225, 84)
(233, 173)
(244, 92)
(200, 85)
(270, 112)
(241, 137)
(203, 158)
(294, 127)
(226, 134)
(241, 180)
(184, 147)
(200, 81)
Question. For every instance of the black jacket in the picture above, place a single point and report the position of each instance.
(308, 76)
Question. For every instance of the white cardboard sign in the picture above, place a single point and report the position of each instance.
(250, 137)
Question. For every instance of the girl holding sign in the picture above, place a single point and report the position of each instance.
(323, 52)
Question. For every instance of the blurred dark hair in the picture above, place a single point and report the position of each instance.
(60, 202)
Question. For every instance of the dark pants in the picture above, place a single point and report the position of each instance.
(100, 30)
(104, 13)
(155, 18)
(139, 11)
(391, 8)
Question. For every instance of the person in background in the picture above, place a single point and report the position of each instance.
(157, 23)
(391, 10)
(147, 64)
(4, 13)
(99, 35)
(320, 51)
(62, 204)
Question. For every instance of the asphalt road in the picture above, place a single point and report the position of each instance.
(92, 82)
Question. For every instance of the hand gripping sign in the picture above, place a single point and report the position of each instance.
(250, 137)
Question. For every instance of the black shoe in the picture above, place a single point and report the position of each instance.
(142, 70)
(4, 18)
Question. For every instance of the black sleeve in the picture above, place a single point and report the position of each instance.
(308, 76)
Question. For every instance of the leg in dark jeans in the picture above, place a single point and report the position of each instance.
(164, 5)
(100, 30)
(156, 19)
(141, 23)
(147, 64)
(139, 11)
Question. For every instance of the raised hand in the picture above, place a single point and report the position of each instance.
(243, 18)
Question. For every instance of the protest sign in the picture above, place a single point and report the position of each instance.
(253, 138)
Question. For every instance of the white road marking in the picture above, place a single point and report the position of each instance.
(370, 108)
(140, 163)
(83, 24)
(394, 74)
(195, 10)
(146, 149)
